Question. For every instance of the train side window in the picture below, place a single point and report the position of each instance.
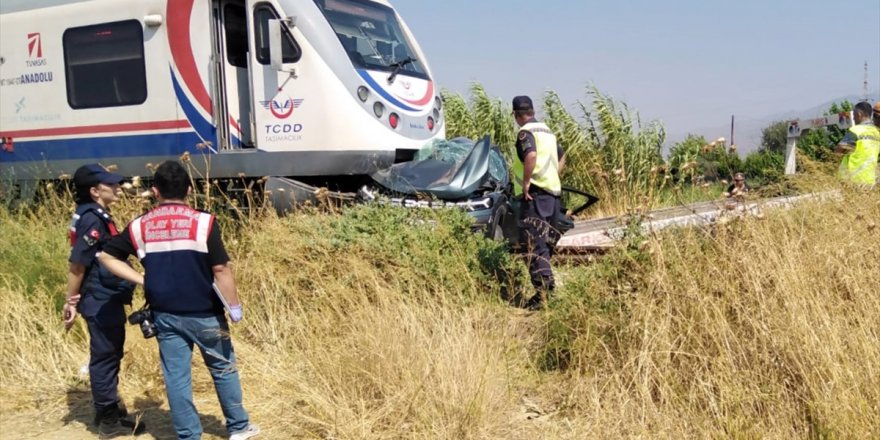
(105, 65)
(235, 23)
(291, 51)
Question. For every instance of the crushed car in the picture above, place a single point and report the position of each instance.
(460, 173)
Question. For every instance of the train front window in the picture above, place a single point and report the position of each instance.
(372, 36)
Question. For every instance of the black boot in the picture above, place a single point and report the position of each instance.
(113, 420)
(536, 302)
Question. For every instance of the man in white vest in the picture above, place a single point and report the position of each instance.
(536, 168)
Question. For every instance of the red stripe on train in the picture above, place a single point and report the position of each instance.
(92, 129)
(179, 13)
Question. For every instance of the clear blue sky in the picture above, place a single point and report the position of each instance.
(687, 63)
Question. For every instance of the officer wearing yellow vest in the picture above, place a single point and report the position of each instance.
(536, 168)
(861, 146)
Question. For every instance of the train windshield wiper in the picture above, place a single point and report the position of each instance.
(398, 66)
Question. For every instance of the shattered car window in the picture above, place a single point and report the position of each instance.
(446, 150)
(497, 166)
(453, 150)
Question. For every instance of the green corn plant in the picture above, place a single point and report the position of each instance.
(459, 121)
(629, 154)
(481, 116)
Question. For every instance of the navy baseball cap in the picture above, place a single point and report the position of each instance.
(522, 103)
(92, 174)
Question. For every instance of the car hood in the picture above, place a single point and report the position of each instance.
(447, 169)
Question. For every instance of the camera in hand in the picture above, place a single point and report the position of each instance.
(144, 318)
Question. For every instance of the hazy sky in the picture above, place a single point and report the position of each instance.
(687, 63)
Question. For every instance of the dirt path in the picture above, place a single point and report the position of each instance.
(36, 425)
(30, 426)
(73, 421)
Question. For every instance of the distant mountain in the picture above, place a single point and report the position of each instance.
(747, 134)
(820, 109)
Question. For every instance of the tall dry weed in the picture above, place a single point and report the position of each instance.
(758, 328)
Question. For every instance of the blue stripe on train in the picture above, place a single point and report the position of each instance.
(378, 89)
(205, 129)
(100, 147)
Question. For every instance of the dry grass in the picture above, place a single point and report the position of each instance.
(371, 325)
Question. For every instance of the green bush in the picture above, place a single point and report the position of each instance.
(763, 167)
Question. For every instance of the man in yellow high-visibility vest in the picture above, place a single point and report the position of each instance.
(861, 146)
(536, 168)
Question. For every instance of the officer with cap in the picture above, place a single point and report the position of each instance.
(98, 295)
(536, 168)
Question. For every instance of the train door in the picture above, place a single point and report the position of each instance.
(232, 75)
(274, 100)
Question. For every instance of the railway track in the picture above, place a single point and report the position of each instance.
(598, 235)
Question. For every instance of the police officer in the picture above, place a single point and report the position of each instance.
(536, 168)
(98, 295)
(183, 257)
(861, 146)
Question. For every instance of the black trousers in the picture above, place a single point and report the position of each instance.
(106, 322)
(538, 231)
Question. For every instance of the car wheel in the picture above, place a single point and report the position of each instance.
(496, 228)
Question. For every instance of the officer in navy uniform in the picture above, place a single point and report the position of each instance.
(538, 162)
(98, 295)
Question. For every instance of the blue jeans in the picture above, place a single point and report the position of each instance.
(177, 335)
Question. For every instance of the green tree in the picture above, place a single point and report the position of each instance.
(764, 166)
(696, 157)
(818, 143)
(840, 107)
(773, 138)
(686, 151)
(716, 162)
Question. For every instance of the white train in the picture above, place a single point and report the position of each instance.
(281, 88)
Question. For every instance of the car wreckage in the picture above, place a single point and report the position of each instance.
(465, 174)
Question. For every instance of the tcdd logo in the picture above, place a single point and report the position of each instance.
(35, 45)
(283, 128)
(281, 109)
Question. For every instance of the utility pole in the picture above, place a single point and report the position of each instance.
(865, 85)
(732, 141)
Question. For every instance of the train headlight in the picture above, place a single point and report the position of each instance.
(378, 109)
(438, 103)
(363, 93)
(430, 123)
(436, 114)
(393, 119)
